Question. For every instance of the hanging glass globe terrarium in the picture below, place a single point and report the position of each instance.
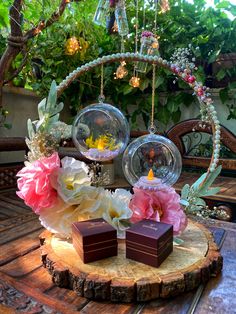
(100, 132)
(152, 152)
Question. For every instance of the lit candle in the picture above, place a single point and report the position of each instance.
(103, 148)
(150, 175)
(100, 144)
(149, 182)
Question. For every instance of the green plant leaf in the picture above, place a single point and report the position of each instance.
(200, 202)
(127, 89)
(31, 130)
(184, 202)
(177, 241)
(224, 95)
(210, 179)
(172, 105)
(159, 81)
(223, 5)
(213, 56)
(163, 115)
(211, 191)
(196, 184)
(176, 116)
(185, 191)
(7, 125)
(144, 84)
(221, 74)
(42, 108)
(52, 98)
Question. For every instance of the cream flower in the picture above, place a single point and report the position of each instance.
(91, 203)
(70, 179)
(118, 212)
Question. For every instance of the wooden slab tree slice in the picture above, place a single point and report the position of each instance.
(123, 280)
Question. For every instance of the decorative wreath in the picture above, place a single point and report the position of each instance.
(62, 192)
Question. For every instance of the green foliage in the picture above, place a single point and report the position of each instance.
(48, 111)
(191, 196)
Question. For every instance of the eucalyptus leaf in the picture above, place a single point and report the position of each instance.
(52, 98)
(196, 184)
(210, 179)
(177, 241)
(185, 191)
(42, 108)
(211, 191)
(31, 130)
(184, 202)
(200, 202)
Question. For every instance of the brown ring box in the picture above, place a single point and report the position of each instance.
(149, 242)
(94, 239)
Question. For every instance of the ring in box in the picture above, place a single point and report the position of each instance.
(94, 239)
(149, 242)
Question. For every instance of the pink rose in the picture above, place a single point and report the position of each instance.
(34, 183)
(161, 205)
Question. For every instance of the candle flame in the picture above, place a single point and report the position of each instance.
(150, 175)
(101, 144)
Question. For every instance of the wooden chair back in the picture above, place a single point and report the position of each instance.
(178, 131)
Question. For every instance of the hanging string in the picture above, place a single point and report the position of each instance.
(136, 28)
(155, 17)
(144, 15)
(135, 80)
(122, 47)
(152, 127)
(101, 97)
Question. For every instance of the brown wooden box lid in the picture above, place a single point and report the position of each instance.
(149, 233)
(93, 231)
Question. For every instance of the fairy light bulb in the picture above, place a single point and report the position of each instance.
(150, 175)
(165, 6)
(121, 71)
(134, 81)
(72, 46)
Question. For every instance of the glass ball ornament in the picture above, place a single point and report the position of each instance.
(100, 132)
(152, 152)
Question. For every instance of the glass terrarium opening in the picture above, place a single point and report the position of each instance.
(100, 132)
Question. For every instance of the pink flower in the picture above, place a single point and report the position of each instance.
(34, 183)
(162, 205)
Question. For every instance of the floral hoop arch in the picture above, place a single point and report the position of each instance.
(207, 109)
(43, 182)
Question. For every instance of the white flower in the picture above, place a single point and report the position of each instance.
(118, 212)
(91, 203)
(59, 218)
(70, 179)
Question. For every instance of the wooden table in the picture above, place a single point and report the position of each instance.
(27, 287)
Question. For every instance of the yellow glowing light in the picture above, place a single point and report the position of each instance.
(134, 81)
(72, 46)
(121, 71)
(155, 45)
(150, 175)
(165, 6)
(101, 144)
(107, 141)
